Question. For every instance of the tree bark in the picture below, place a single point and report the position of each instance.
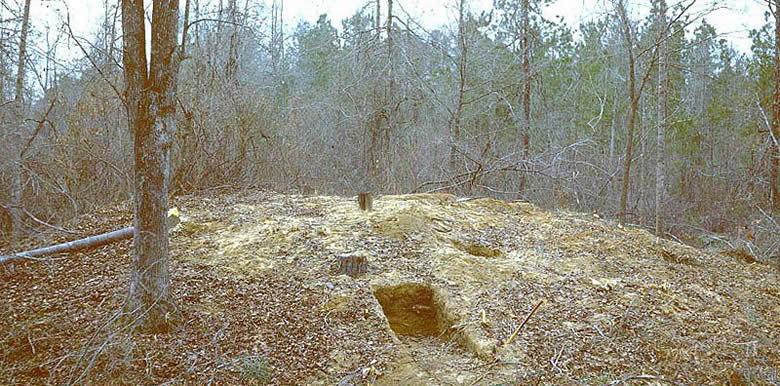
(149, 299)
(660, 185)
(133, 57)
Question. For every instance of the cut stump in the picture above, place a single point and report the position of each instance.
(365, 201)
(352, 264)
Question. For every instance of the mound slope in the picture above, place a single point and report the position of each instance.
(256, 277)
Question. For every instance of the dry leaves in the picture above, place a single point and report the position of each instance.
(255, 278)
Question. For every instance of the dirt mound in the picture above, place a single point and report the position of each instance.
(448, 282)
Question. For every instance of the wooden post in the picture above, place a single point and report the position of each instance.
(365, 201)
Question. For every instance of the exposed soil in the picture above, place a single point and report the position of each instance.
(255, 277)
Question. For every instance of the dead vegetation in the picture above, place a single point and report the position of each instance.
(255, 275)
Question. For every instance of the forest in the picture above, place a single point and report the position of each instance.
(654, 119)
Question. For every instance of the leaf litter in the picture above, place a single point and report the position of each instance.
(255, 277)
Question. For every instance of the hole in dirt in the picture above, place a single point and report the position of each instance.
(477, 249)
(411, 310)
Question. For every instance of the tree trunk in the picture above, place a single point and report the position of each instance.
(378, 22)
(634, 108)
(660, 185)
(277, 35)
(149, 299)
(391, 100)
(16, 188)
(774, 181)
(456, 117)
(526, 87)
(133, 57)
(185, 28)
(389, 30)
(375, 117)
(22, 52)
(232, 60)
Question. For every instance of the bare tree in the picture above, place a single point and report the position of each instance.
(628, 35)
(232, 59)
(774, 181)
(635, 94)
(16, 194)
(277, 35)
(526, 95)
(455, 121)
(378, 21)
(151, 106)
(660, 186)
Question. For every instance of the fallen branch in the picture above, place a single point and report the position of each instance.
(520, 327)
(85, 243)
(72, 246)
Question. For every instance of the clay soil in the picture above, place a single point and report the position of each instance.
(449, 281)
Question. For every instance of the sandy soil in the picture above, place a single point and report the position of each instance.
(449, 281)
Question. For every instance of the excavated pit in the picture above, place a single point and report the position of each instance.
(411, 310)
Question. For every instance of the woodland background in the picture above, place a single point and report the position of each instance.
(502, 103)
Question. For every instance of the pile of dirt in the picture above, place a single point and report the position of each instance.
(449, 281)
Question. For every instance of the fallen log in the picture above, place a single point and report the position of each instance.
(85, 243)
(72, 246)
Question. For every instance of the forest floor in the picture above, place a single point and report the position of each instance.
(449, 281)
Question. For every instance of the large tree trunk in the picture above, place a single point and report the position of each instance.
(660, 185)
(133, 57)
(153, 120)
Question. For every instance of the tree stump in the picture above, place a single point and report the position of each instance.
(365, 201)
(352, 264)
